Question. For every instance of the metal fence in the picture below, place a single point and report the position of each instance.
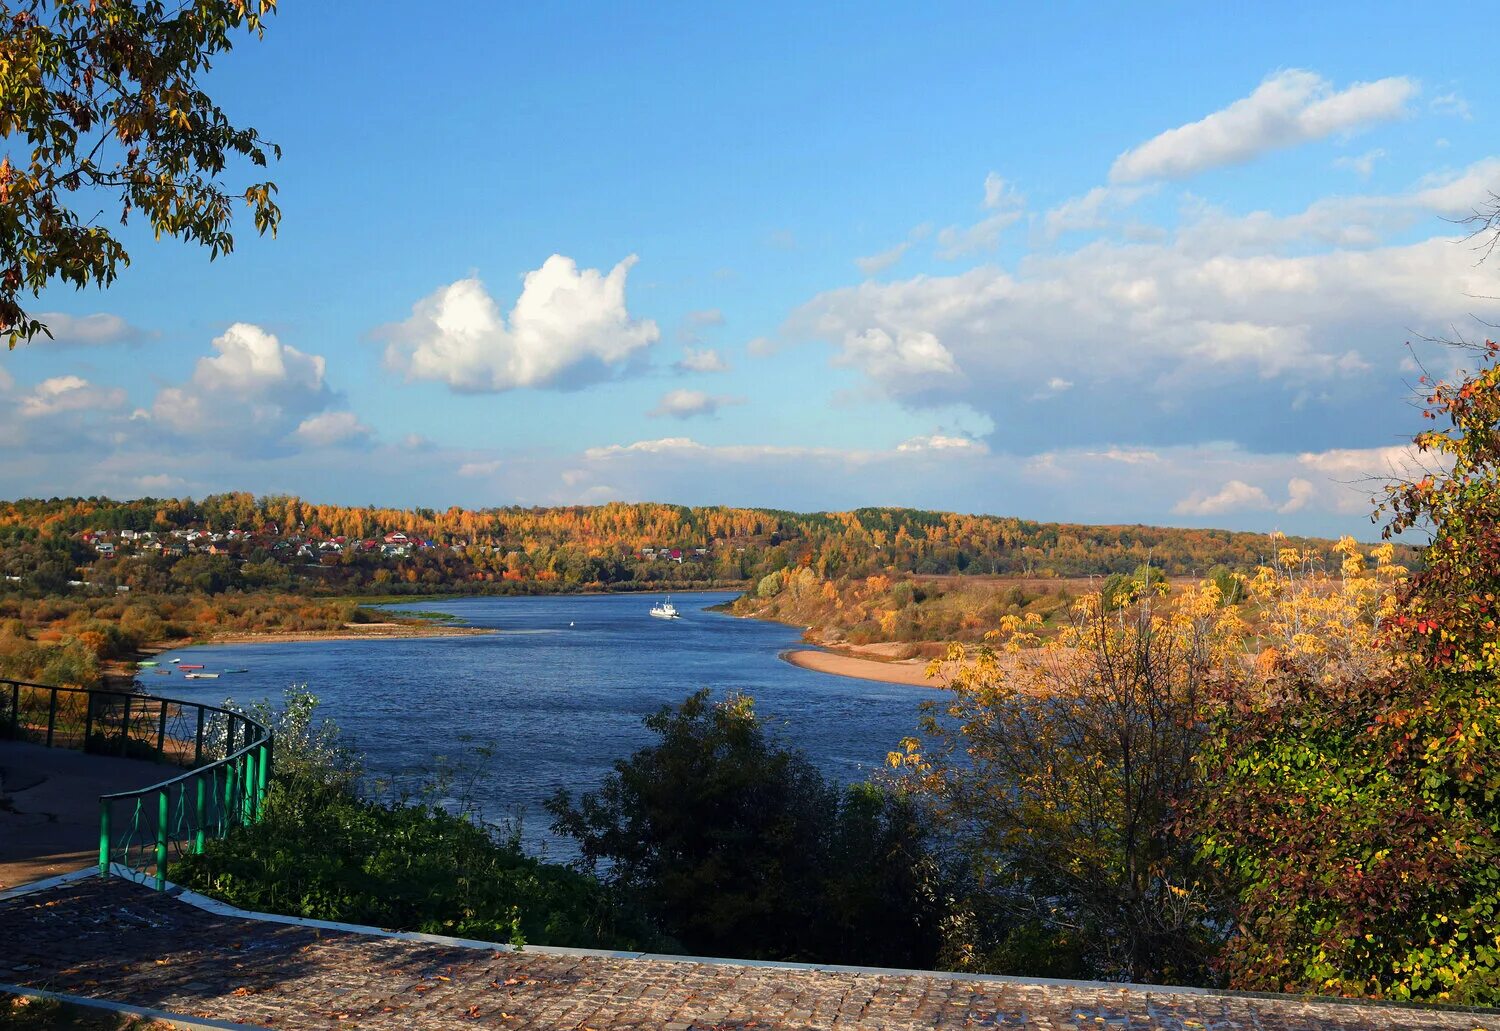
(228, 757)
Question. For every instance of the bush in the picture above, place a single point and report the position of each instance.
(319, 851)
(736, 846)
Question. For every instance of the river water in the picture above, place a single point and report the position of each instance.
(558, 692)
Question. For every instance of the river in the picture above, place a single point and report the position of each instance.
(558, 691)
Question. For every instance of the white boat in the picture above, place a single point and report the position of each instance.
(665, 610)
(201, 676)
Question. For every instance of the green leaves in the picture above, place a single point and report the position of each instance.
(105, 95)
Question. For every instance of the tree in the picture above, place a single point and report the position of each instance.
(1357, 811)
(1059, 766)
(737, 846)
(106, 94)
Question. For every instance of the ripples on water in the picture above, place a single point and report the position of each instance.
(559, 692)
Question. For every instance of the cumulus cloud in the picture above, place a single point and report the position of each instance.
(704, 359)
(61, 394)
(95, 330)
(1288, 108)
(999, 193)
(253, 396)
(904, 356)
(331, 429)
(684, 404)
(1299, 492)
(1276, 331)
(569, 326)
(1234, 496)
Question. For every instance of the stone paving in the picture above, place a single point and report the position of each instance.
(115, 940)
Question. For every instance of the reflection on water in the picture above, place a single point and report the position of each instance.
(558, 693)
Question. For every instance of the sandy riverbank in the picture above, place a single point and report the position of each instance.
(912, 672)
(120, 673)
(349, 632)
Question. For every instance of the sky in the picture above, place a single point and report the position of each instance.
(1161, 263)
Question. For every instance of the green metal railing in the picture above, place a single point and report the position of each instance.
(228, 756)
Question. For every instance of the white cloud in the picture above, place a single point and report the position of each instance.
(1299, 493)
(253, 396)
(875, 264)
(1091, 211)
(1236, 495)
(62, 394)
(704, 359)
(944, 442)
(480, 470)
(568, 327)
(329, 429)
(1288, 108)
(1451, 103)
(94, 330)
(1275, 327)
(684, 404)
(998, 193)
(984, 235)
(1363, 165)
(904, 356)
(1054, 386)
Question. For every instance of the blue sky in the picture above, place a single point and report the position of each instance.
(1089, 263)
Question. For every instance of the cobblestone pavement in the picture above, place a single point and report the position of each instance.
(115, 940)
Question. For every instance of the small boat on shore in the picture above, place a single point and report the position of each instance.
(201, 676)
(147, 665)
(665, 610)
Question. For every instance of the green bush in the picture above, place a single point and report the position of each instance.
(319, 851)
(737, 846)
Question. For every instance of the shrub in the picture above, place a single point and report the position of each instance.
(734, 845)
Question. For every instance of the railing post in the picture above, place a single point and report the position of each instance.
(199, 815)
(198, 744)
(88, 719)
(161, 732)
(263, 770)
(103, 837)
(51, 715)
(247, 801)
(161, 839)
(125, 728)
(15, 711)
(228, 797)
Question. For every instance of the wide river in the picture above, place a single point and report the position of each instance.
(558, 691)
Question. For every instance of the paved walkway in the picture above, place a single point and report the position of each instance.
(49, 806)
(112, 939)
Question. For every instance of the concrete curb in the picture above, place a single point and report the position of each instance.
(144, 1012)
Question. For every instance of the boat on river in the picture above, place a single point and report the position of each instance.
(201, 676)
(191, 665)
(665, 610)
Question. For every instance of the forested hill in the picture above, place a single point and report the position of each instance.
(239, 540)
